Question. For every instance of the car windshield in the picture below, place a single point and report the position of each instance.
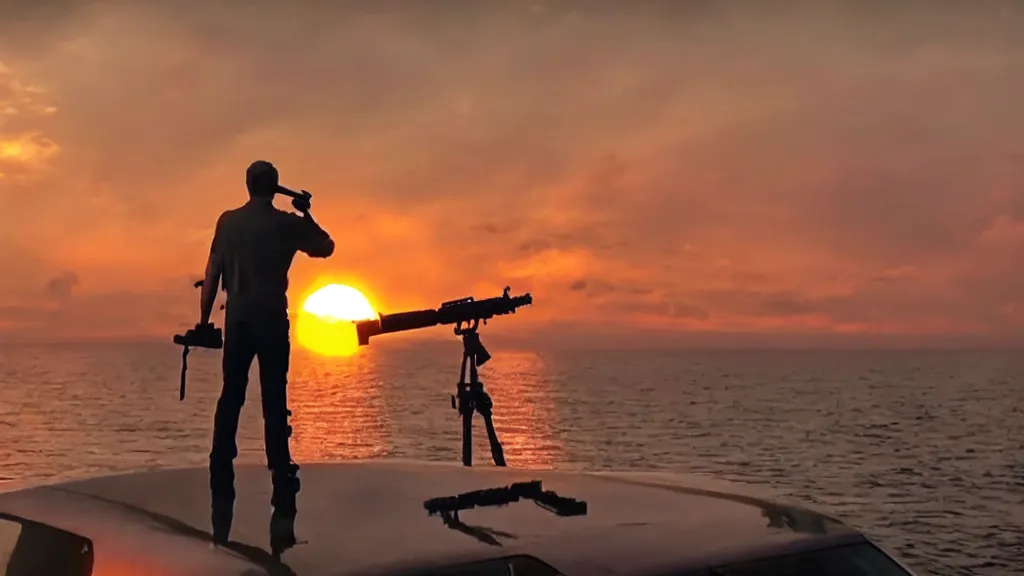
(854, 560)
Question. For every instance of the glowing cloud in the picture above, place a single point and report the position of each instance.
(23, 149)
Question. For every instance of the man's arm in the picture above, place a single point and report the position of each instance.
(211, 282)
(312, 239)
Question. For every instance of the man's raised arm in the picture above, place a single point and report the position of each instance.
(312, 239)
(211, 282)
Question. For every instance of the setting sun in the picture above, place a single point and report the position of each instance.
(324, 325)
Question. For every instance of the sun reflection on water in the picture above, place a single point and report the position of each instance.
(524, 411)
(336, 408)
(393, 402)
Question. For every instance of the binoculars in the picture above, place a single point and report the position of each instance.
(202, 336)
(300, 200)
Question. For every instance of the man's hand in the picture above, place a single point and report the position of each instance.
(302, 204)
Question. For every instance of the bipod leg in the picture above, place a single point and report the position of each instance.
(484, 405)
(467, 435)
(466, 409)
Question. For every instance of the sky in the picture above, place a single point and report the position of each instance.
(701, 172)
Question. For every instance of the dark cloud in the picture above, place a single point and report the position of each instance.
(59, 288)
(23, 268)
(879, 306)
(657, 307)
(597, 287)
(25, 315)
(33, 24)
(108, 314)
(687, 311)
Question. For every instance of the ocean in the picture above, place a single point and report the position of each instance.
(922, 450)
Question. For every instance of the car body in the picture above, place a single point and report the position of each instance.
(368, 517)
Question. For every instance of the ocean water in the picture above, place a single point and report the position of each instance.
(923, 450)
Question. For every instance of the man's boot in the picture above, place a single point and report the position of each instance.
(282, 520)
(282, 532)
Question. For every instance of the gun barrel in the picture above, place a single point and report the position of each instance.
(465, 310)
(292, 193)
(402, 321)
(398, 322)
(365, 329)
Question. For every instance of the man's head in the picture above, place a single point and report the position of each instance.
(261, 179)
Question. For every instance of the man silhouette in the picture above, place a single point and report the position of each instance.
(252, 250)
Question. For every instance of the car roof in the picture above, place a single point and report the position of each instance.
(368, 517)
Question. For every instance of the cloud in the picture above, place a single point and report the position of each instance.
(27, 151)
(24, 150)
(687, 166)
(115, 314)
(18, 99)
(59, 287)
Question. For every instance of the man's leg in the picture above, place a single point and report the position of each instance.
(238, 354)
(274, 352)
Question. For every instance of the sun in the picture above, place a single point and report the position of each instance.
(324, 323)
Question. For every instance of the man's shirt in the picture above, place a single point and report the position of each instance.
(254, 246)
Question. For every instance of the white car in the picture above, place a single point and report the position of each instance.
(421, 519)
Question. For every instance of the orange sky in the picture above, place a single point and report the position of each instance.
(672, 171)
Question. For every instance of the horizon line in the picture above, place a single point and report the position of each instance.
(518, 342)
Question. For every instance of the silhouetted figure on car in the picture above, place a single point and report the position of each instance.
(252, 250)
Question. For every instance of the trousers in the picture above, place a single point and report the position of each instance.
(267, 342)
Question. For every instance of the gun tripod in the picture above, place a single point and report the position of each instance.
(471, 396)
